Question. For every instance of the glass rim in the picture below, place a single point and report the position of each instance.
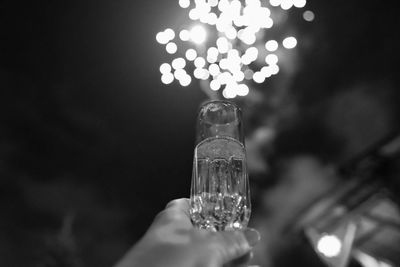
(219, 101)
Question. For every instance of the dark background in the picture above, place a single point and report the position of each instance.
(92, 145)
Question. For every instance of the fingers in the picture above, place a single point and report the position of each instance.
(181, 204)
(241, 261)
(176, 211)
(232, 245)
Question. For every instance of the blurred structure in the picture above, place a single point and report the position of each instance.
(326, 217)
(368, 200)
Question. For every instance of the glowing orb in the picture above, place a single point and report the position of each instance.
(329, 245)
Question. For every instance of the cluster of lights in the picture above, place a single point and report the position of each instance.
(226, 60)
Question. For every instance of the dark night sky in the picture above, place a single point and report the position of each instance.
(95, 65)
(84, 114)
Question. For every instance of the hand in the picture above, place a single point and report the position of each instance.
(172, 241)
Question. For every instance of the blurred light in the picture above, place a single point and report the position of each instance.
(171, 48)
(233, 54)
(252, 53)
(256, 3)
(275, 2)
(329, 245)
(194, 14)
(179, 74)
(289, 42)
(238, 32)
(245, 59)
(266, 71)
(198, 73)
(308, 15)
(231, 33)
(184, 3)
(223, 63)
(368, 260)
(242, 90)
(223, 5)
(274, 69)
(222, 44)
(198, 34)
(199, 62)
(214, 69)
(271, 59)
(238, 76)
(212, 52)
(165, 68)
(286, 4)
(178, 63)
(271, 45)
(215, 85)
(299, 3)
(248, 74)
(212, 18)
(248, 37)
(191, 54)
(258, 77)
(230, 90)
(213, 3)
(211, 59)
(186, 80)
(224, 77)
(184, 35)
(162, 38)
(167, 78)
(169, 34)
(205, 75)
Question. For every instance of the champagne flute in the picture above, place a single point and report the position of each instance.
(220, 195)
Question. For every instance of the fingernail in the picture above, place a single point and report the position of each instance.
(252, 236)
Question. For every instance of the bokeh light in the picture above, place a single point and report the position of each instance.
(199, 62)
(178, 63)
(191, 54)
(289, 42)
(165, 68)
(198, 34)
(167, 78)
(329, 245)
(184, 3)
(308, 15)
(215, 85)
(225, 40)
(184, 35)
(271, 45)
(271, 59)
(171, 48)
(169, 34)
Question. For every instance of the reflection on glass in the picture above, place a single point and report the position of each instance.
(220, 196)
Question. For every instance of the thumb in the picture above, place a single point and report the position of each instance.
(230, 245)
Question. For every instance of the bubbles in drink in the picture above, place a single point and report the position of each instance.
(220, 191)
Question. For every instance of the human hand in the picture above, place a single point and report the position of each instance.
(172, 241)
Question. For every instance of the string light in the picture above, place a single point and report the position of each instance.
(225, 43)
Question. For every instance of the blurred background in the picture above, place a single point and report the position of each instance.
(93, 144)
